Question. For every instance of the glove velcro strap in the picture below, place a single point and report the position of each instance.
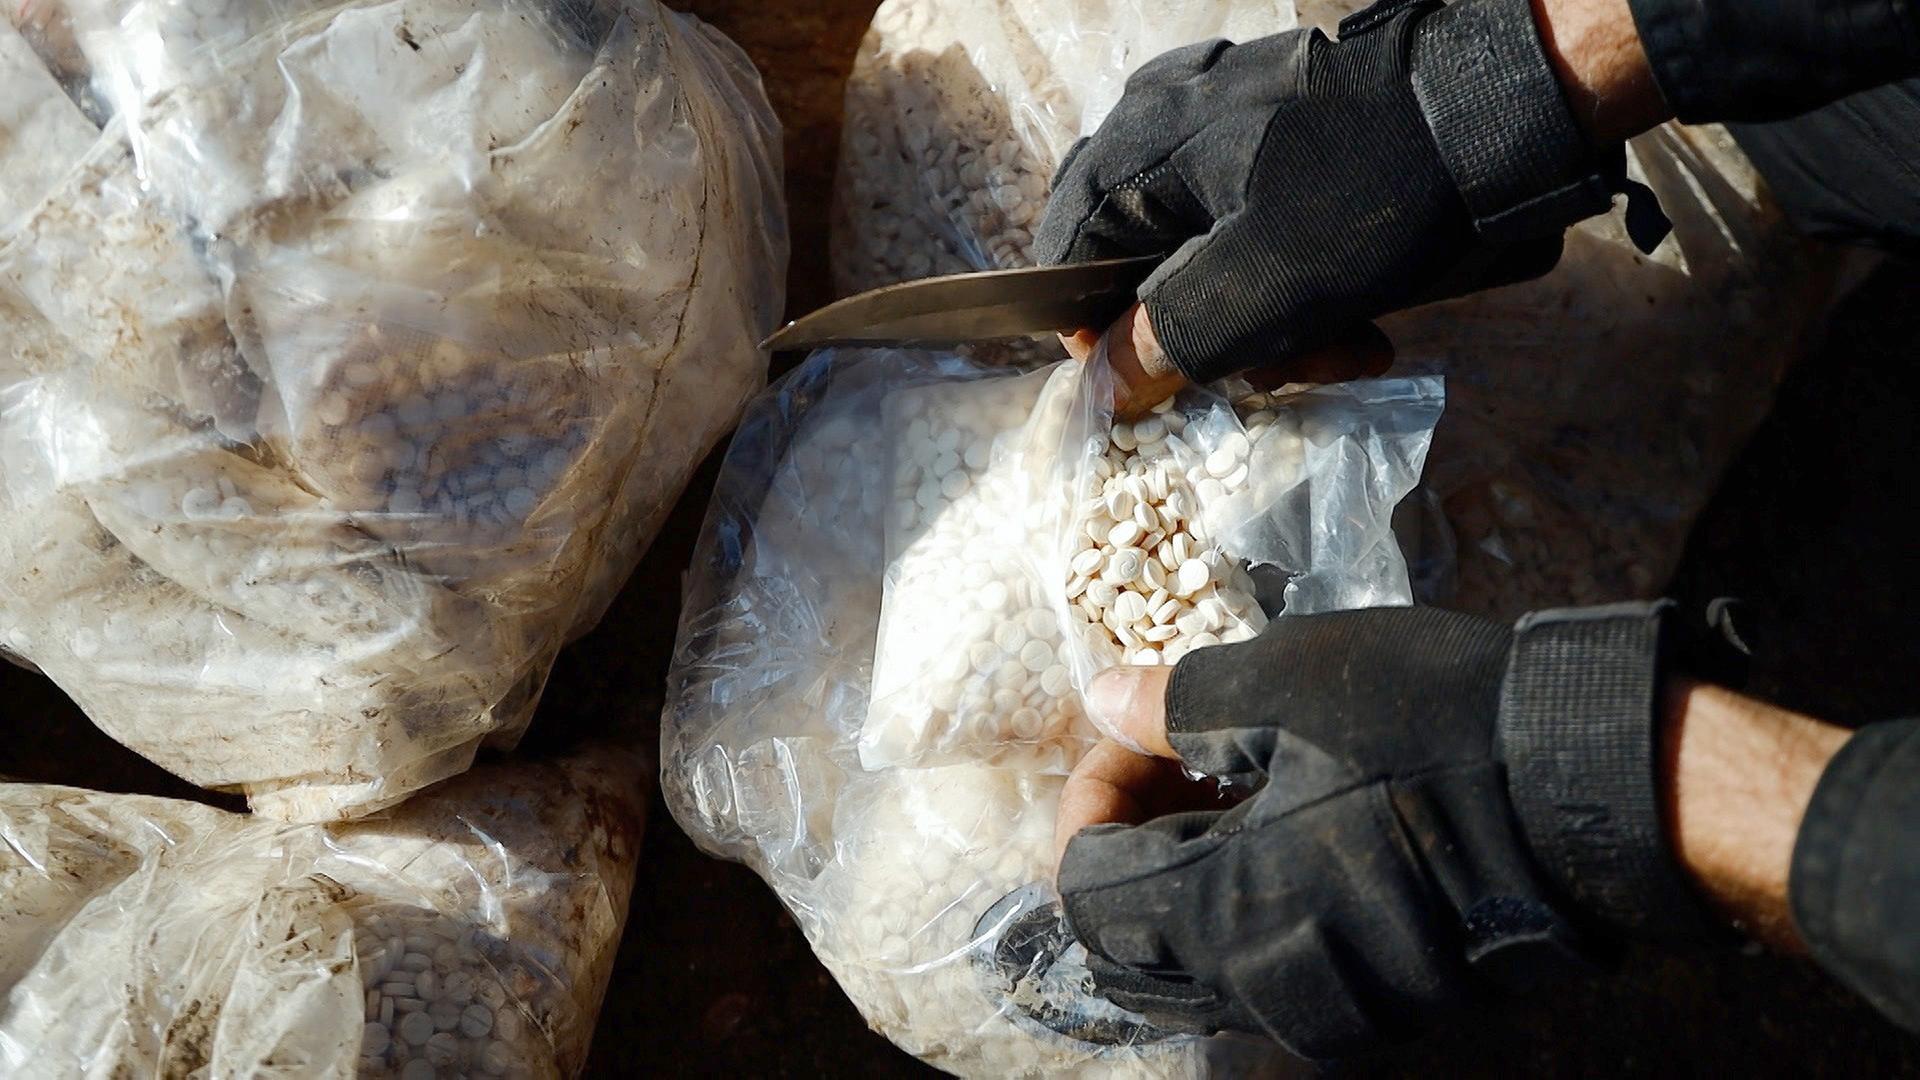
(1578, 736)
(1503, 127)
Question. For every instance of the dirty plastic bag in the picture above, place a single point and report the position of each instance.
(815, 730)
(470, 932)
(350, 355)
(1590, 413)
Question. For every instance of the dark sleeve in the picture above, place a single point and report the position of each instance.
(1849, 171)
(1757, 60)
(1855, 882)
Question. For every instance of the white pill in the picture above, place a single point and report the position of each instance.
(946, 462)
(416, 1027)
(1220, 463)
(1160, 633)
(1040, 624)
(1025, 723)
(1201, 641)
(427, 984)
(458, 985)
(1078, 584)
(374, 1039)
(1164, 553)
(1131, 607)
(1153, 574)
(1128, 638)
(1055, 681)
(1119, 502)
(418, 1069)
(1125, 534)
(1149, 430)
(1236, 478)
(1098, 527)
(955, 484)
(1146, 517)
(1087, 562)
(1156, 598)
(200, 502)
(983, 657)
(1191, 622)
(1236, 445)
(1165, 613)
(1182, 549)
(1238, 633)
(1145, 657)
(332, 409)
(992, 596)
(1191, 578)
(1123, 437)
(1124, 565)
(1010, 636)
(443, 1049)
(445, 1015)
(416, 961)
(1103, 593)
(1207, 491)
(1160, 484)
(476, 1020)
(977, 456)
(1163, 406)
(1036, 656)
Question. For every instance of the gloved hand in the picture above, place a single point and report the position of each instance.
(1303, 186)
(1449, 807)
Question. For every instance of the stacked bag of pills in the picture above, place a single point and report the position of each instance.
(351, 353)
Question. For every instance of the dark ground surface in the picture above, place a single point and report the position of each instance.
(714, 979)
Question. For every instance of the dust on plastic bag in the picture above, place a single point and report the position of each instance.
(1590, 413)
(818, 729)
(351, 354)
(469, 933)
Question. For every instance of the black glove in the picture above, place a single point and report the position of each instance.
(1304, 186)
(1449, 807)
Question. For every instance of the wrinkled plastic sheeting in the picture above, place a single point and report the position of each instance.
(1590, 413)
(155, 937)
(889, 869)
(351, 354)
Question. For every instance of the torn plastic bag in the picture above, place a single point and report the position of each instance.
(879, 600)
(1590, 413)
(468, 933)
(351, 354)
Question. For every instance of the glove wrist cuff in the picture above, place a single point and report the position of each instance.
(1502, 124)
(1577, 734)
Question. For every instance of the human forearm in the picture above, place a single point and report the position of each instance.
(1736, 776)
(1595, 49)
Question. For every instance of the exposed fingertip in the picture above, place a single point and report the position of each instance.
(1128, 704)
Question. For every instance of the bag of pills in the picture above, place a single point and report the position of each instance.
(1033, 542)
(1591, 412)
(883, 513)
(467, 933)
(350, 355)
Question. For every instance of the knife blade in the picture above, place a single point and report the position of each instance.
(958, 308)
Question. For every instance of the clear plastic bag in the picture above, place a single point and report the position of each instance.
(835, 713)
(1590, 412)
(350, 355)
(469, 933)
